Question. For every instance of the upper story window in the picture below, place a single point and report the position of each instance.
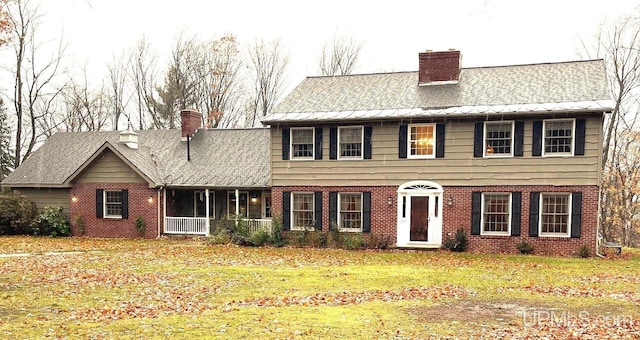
(498, 137)
(496, 214)
(302, 211)
(558, 137)
(555, 214)
(302, 143)
(113, 204)
(422, 138)
(350, 142)
(350, 211)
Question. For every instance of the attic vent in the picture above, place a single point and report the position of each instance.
(129, 138)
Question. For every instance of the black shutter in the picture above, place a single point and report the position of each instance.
(576, 214)
(333, 143)
(125, 204)
(317, 209)
(516, 206)
(286, 210)
(366, 212)
(478, 136)
(580, 136)
(99, 203)
(402, 140)
(518, 140)
(286, 141)
(318, 143)
(439, 140)
(534, 211)
(476, 212)
(333, 209)
(367, 141)
(537, 138)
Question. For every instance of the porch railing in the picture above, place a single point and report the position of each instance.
(185, 225)
(198, 225)
(256, 224)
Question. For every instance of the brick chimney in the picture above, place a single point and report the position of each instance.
(438, 67)
(191, 120)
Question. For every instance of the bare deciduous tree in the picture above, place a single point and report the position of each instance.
(35, 89)
(269, 63)
(340, 56)
(617, 43)
(142, 69)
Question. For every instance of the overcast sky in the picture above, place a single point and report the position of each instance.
(487, 32)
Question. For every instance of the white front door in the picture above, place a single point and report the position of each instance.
(420, 214)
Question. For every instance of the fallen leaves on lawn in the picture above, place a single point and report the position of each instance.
(584, 291)
(351, 298)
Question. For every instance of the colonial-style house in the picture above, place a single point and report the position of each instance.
(507, 153)
(178, 181)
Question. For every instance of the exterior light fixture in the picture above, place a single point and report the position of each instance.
(389, 200)
(74, 198)
(450, 201)
(150, 199)
(254, 198)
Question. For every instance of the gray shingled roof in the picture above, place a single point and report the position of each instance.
(519, 88)
(226, 158)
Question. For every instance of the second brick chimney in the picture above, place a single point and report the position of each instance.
(190, 120)
(438, 67)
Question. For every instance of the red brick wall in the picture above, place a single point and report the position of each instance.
(114, 227)
(384, 216)
(438, 66)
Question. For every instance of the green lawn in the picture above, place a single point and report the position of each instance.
(185, 289)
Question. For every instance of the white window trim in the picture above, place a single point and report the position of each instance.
(570, 212)
(232, 213)
(351, 230)
(104, 204)
(313, 206)
(496, 233)
(313, 144)
(484, 139)
(264, 205)
(544, 139)
(409, 155)
(361, 143)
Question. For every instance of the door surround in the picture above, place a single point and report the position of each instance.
(419, 188)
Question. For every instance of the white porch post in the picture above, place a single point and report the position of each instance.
(164, 210)
(237, 205)
(207, 223)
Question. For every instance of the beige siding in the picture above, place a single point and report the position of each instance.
(44, 197)
(109, 168)
(459, 167)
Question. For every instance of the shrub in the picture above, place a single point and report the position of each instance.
(80, 226)
(378, 242)
(259, 238)
(220, 236)
(584, 251)
(524, 247)
(141, 225)
(458, 243)
(51, 222)
(17, 214)
(351, 241)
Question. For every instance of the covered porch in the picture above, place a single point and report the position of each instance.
(200, 211)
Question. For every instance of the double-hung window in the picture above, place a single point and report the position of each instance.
(422, 138)
(496, 214)
(302, 143)
(350, 211)
(498, 137)
(555, 214)
(558, 137)
(302, 212)
(113, 204)
(350, 142)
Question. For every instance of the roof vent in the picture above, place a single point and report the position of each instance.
(129, 138)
